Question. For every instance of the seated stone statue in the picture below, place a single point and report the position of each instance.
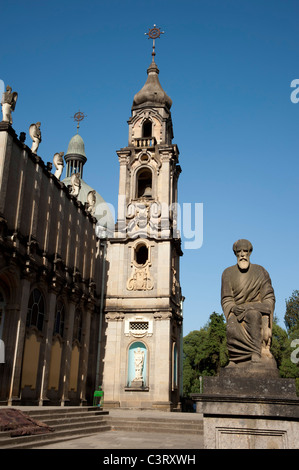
(248, 300)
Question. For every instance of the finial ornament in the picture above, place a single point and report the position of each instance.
(154, 33)
(79, 116)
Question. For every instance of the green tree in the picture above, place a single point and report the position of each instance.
(216, 348)
(193, 358)
(205, 351)
(291, 317)
(279, 342)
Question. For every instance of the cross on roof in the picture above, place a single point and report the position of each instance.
(154, 33)
(79, 116)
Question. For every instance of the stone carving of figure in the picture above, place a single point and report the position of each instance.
(91, 202)
(8, 102)
(248, 300)
(59, 164)
(138, 360)
(75, 184)
(36, 136)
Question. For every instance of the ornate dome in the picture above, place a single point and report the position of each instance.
(76, 146)
(75, 159)
(152, 93)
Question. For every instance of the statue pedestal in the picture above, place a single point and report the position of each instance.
(249, 408)
(137, 383)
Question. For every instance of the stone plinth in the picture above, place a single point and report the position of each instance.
(249, 409)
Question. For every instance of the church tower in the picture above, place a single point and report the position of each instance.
(143, 314)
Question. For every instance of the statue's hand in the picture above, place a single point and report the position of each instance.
(237, 309)
(263, 308)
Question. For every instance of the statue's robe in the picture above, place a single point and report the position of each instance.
(253, 290)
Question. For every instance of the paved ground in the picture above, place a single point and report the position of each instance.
(137, 440)
(133, 440)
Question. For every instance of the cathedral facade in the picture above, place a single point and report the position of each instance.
(85, 304)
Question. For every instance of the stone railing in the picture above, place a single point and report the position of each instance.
(143, 142)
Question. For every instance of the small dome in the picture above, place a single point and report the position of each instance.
(76, 146)
(102, 210)
(152, 93)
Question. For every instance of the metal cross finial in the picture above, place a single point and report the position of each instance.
(78, 117)
(154, 33)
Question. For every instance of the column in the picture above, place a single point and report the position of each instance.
(14, 390)
(46, 350)
(67, 355)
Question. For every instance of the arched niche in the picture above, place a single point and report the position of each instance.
(137, 365)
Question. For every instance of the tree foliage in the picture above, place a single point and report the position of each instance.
(292, 311)
(205, 351)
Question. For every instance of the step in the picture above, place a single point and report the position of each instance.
(33, 441)
(67, 424)
(156, 425)
(65, 420)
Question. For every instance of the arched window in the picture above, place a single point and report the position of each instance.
(59, 319)
(77, 333)
(147, 128)
(36, 310)
(141, 254)
(144, 183)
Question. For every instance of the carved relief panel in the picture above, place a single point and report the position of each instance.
(140, 279)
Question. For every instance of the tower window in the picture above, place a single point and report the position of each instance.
(141, 254)
(144, 184)
(147, 128)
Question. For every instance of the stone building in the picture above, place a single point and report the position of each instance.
(51, 267)
(86, 302)
(143, 311)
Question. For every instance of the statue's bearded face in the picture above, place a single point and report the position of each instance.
(243, 258)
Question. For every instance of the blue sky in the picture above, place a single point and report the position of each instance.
(227, 66)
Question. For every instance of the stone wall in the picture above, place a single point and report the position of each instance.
(48, 243)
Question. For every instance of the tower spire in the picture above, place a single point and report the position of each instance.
(79, 116)
(154, 33)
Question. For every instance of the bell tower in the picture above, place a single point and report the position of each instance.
(143, 314)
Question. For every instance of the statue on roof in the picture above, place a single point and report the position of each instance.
(59, 164)
(35, 134)
(75, 184)
(8, 102)
(91, 202)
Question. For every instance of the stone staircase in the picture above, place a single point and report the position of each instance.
(68, 423)
(75, 422)
(161, 424)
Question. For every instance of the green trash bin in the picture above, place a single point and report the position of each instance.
(98, 398)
